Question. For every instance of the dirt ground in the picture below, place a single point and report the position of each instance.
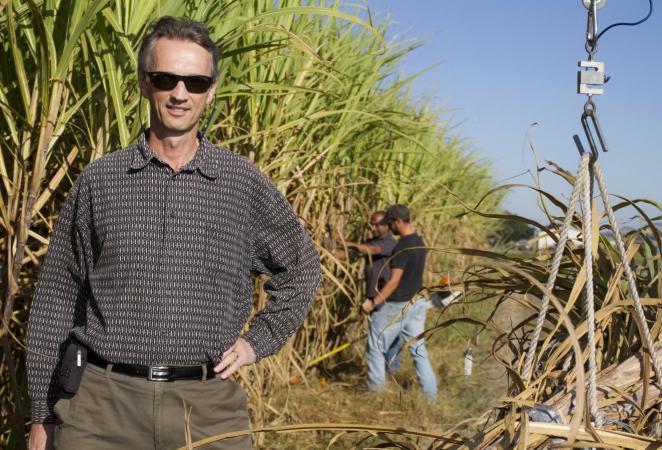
(339, 395)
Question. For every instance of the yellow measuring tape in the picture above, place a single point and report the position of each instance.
(331, 353)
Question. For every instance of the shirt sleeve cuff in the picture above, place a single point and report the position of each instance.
(258, 343)
(42, 413)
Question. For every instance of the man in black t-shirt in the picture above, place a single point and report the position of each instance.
(397, 309)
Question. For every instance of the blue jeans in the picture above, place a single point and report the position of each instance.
(393, 355)
(386, 324)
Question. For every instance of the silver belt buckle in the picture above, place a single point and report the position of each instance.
(158, 373)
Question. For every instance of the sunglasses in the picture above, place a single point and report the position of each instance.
(166, 81)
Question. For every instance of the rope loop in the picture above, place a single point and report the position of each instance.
(589, 168)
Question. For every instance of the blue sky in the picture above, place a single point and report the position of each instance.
(503, 65)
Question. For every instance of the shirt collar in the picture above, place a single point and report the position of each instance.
(203, 161)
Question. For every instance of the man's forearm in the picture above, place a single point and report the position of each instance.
(370, 304)
(364, 248)
(386, 291)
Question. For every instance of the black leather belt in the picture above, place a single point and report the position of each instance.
(154, 373)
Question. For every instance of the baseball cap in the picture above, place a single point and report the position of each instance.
(393, 212)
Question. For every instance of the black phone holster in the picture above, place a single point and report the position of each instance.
(72, 367)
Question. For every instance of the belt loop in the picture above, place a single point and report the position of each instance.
(204, 372)
(109, 368)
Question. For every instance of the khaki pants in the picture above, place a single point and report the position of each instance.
(115, 411)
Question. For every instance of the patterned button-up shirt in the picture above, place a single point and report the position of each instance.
(150, 266)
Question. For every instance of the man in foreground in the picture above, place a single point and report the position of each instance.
(149, 275)
(397, 309)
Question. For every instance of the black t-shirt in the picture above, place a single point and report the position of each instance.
(408, 255)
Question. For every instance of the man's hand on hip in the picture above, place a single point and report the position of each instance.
(240, 354)
(41, 436)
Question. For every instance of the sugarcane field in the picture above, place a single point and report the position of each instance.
(328, 224)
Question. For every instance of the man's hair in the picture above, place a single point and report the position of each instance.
(397, 211)
(180, 29)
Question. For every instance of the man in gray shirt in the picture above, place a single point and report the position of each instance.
(377, 251)
(150, 269)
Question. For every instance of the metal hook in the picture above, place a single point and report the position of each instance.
(590, 112)
(591, 27)
(578, 143)
(598, 3)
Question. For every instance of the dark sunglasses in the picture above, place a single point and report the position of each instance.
(166, 81)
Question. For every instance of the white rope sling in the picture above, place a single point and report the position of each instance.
(588, 167)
